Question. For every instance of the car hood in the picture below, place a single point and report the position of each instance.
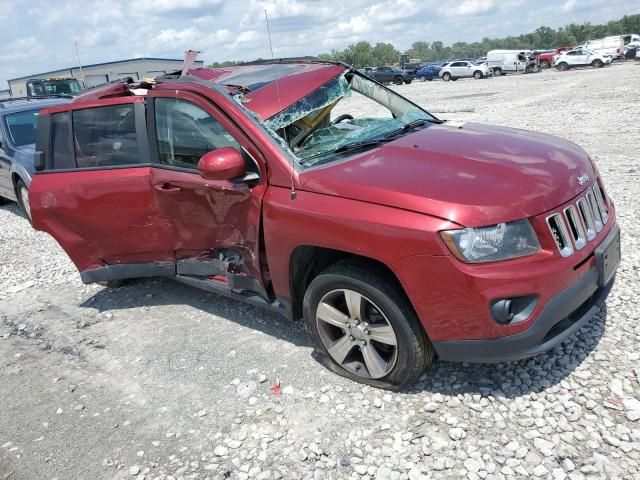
(471, 174)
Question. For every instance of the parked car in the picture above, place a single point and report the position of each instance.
(545, 59)
(18, 120)
(428, 72)
(412, 68)
(390, 75)
(579, 57)
(502, 62)
(394, 235)
(463, 69)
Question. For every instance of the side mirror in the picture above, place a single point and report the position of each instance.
(221, 164)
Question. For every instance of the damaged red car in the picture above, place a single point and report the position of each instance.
(305, 187)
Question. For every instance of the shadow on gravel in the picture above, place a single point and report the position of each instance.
(167, 292)
(514, 379)
(12, 207)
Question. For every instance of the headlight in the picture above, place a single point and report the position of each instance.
(495, 242)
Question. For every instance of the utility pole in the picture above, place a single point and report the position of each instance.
(80, 65)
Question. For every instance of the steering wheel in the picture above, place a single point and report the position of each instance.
(342, 117)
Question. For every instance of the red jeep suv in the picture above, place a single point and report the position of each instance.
(305, 187)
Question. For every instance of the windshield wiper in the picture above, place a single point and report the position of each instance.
(405, 128)
(343, 148)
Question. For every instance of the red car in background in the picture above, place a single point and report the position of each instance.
(545, 59)
(394, 235)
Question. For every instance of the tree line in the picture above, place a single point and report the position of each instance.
(363, 54)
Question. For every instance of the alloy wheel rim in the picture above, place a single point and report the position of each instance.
(24, 197)
(357, 334)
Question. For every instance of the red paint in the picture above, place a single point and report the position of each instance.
(387, 204)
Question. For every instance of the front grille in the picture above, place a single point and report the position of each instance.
(578, 224)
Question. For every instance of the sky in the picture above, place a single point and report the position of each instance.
(39, 35)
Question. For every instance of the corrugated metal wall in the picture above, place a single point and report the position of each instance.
(99, 74)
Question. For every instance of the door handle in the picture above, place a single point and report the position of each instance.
(167, 188)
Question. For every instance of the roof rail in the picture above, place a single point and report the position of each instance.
(307, 59)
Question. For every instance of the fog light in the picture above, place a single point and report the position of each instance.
(508, 311)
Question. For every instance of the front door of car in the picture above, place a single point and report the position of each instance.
(215, 223)
(457, 69)
(94, 195)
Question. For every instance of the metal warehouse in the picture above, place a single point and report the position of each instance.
(100, 73)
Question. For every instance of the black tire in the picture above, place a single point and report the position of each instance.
(22, 196)
(597, 63)
(544, 64)
(453, 79)
(397, 80)
(478, 75)
(563, 66)
(446, 76)
(413, 351)
(408, 81)
(497, 72)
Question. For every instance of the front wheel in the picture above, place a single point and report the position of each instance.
(397, 80)
(408, 81)
(446, 76)
(23, 198)
(364, 328)
(563, 66)
(477, 75)
(597, 63)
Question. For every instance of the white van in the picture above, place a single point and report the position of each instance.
(613, 45)
(512, 61)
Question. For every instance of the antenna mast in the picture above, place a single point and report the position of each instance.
(80, 65)
(273, 59)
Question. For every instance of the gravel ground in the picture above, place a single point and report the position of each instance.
(157, 380)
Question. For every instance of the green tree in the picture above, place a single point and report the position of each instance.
(385, 53)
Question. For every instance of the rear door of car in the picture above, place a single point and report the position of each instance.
(93, 192)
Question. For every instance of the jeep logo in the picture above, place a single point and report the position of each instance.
(582, 179)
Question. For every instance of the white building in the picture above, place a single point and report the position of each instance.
(100, 73)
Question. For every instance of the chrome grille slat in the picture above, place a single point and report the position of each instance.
(575, 227)
(578, 224)
(597, 191)
(597, 220)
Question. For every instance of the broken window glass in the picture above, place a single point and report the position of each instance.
(307, 132)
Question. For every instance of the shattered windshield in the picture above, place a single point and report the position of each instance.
(348, 112)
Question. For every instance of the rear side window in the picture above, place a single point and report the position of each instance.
(186, 132)
(61, 146)
(105, 136)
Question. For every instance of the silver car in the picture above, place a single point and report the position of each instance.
(463, 69)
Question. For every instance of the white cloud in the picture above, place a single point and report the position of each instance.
(468, 8)
(37, 37)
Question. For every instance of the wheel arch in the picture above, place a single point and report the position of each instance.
(307, 261)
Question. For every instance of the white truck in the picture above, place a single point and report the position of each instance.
(612, 45)
(502, 62)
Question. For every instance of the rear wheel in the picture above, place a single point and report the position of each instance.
(364, 328)
(563, 66)
(446, 76)
(22, 193)
(597, 63)
(497, 72)
(397, 80)
(477, 75)
(408, 81)
(544, 64)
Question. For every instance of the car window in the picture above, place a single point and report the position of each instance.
(186, 132)
(574, 52)
(106, 136)
(22, 127)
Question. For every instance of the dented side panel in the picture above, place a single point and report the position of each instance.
(101, 217)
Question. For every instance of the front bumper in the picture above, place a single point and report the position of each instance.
(562, 316)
